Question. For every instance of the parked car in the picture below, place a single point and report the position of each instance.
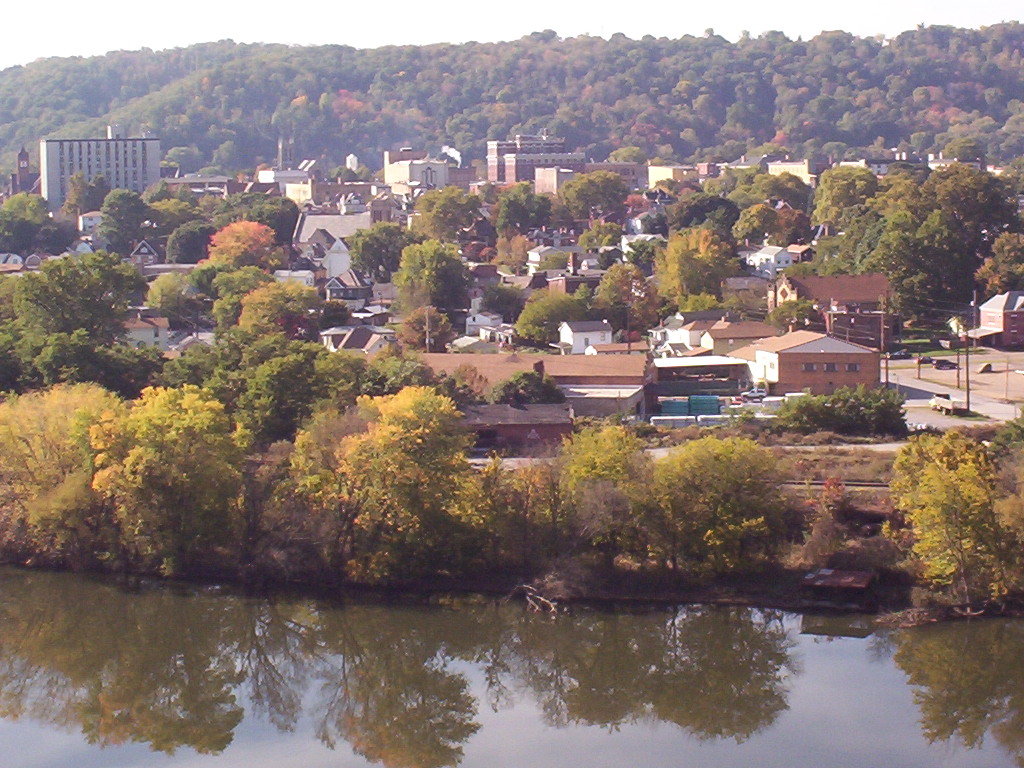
(754, 394)
(925, 360)
(944, 365)
(899, 354)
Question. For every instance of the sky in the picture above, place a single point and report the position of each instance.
(66, 28)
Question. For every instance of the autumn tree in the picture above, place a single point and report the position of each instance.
(46, 468)
(601, 235)
(946, 487)
(405, 474)
(714, 506)
(426, 329)
(170, 468)
(245, 243)
(694, 261)
(627, 298)
(755, 223)
(513, 252)
(230, 287)
(287, 307)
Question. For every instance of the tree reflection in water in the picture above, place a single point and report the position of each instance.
(176, 669)
(968, 681)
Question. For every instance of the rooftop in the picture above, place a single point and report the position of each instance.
(804, 342)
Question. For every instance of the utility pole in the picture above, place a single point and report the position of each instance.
(882, 343)
(967, 349)
(426, 314)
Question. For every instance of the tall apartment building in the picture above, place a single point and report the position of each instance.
(125, 163)
(518, 160)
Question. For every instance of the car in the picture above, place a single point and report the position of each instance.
(925, 360)
(899, 354)
(944, 365)
(754, 393)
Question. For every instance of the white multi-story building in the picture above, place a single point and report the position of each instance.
(125, 163)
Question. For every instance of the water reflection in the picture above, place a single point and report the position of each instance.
(968, 681)
(174, 670)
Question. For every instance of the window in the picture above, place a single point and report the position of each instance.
(830, 368)
(810, 367)
(852, 367)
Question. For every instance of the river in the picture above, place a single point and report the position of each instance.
(94, 675)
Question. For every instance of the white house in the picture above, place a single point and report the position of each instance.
(142, 331)
(357, 338)
(302, 276)
(477, 320)
(337, 261)
(768, 260)
(574, 337)
(89, 222)
(535, 256)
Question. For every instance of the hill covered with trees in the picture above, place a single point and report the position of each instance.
(225, 104)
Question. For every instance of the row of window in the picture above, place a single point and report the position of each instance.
(831, 367)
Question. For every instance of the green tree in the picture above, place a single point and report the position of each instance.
(442, 213)
(378, 250)
(287, 307)
(848, 411)
(525, 388)
(596, 195)
(432, 273)
(91, 293)
(794, 314)
(190, 242)
(544, 312)
(601, 235)
(174, 297)
(702, 209)
(170, 468)
(840, 189)
(230, 288)
(169, 215)
(520, 210)
(124, 213)
(755, 223)
(504, 300)
(1004, 269)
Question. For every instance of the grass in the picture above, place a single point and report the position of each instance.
(823, 462)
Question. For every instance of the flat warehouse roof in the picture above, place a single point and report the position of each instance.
(702, 361)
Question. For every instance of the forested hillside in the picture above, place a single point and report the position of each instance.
(225, 104)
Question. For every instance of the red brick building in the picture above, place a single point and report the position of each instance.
(1001, 321)
(806, 360)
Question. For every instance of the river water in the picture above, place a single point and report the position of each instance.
(94, 675)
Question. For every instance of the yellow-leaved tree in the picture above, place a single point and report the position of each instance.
(47, 508)
(946, 487)
(170, 467)
(395, 488)
(714, 505)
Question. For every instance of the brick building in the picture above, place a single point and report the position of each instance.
(517, 160)
(805, 360)
(1001, 321)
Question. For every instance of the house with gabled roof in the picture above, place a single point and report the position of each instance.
(576, 335)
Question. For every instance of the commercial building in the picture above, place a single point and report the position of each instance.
(517, 160)
(808, 361)
(126, 163)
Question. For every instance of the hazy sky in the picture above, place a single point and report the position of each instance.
(65, 28)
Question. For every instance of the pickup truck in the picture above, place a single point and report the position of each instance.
(947, 404)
